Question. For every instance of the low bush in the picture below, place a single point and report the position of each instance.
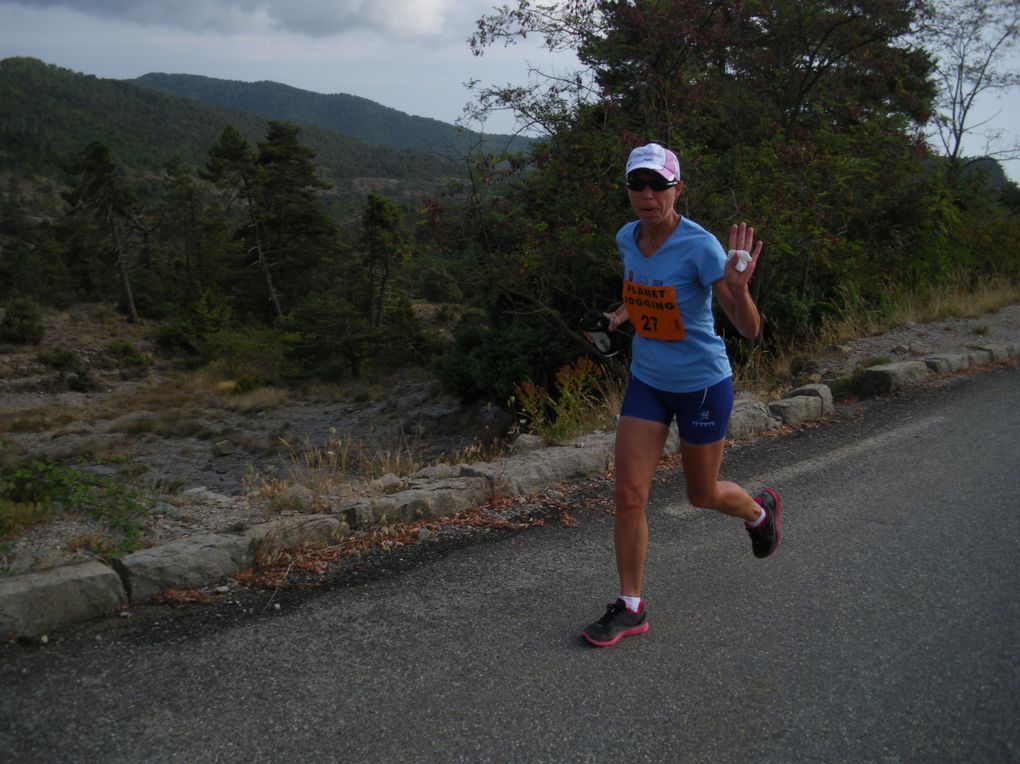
(36, 492)
(22, 323)
(127, 356)
(57, 358)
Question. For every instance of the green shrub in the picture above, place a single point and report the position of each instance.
(186, 333)
(58, 359)
(578, 406)
(252, 357)
(23, 323)
(33, 493)
(179, 335)
(485, 363)
(128, 356)
(80, 381)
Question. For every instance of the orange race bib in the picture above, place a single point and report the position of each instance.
(653, 311)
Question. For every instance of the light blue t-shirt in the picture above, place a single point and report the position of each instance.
(689, 261)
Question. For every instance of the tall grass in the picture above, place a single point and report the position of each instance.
(765, 374)
(335, 467)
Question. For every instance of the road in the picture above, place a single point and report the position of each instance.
(886, 628)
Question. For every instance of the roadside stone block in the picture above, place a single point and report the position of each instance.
(527, 442)
(749, 418)
(437, 472)
(33, 603)
(820, 391)
(434, 499)
(941, 362)
(999, 352)
(185, 564)
(365, 513)
(529, 472)
(796, 409)
(979, 357)
(534, 471)
(294, 533)
(440, 498)
(885, 378)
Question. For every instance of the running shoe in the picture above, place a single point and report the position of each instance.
(617, 623)
(765, 538)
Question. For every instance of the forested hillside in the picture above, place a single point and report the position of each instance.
(48, 114)
(357, 117)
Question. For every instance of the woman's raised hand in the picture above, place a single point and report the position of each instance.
(742, 240)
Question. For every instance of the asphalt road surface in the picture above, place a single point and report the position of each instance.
(886, 628)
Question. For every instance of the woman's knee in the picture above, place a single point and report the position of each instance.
(630, 498)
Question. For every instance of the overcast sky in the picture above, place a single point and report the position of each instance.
(411, 55)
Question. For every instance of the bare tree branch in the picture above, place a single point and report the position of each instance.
(971, 39)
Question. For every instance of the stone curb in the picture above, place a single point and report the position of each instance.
(33, 603)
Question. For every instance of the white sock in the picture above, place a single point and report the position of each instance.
(632, 603)
(760, 520)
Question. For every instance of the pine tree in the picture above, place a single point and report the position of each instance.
(233, 166)
(299, 235)
(101, 194)
(387, 246)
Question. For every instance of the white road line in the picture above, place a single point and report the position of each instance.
(793, 472)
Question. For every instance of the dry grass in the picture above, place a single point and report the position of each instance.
(611, 391)
(374, 387)
(39, 419)
(96, 324)
(331, 468)
(17, 517)
(166, 423)
(260, 399)
(770, 376)
(946, 303)
(955, 304)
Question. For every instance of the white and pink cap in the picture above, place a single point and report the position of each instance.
(654, 157)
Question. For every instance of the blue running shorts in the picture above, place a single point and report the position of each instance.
(701, 416)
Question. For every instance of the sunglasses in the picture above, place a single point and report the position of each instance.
(657, 184)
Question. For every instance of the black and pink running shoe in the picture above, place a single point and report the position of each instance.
(765, 538)
(617, 623)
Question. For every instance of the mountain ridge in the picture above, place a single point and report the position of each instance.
(359, 117)
(48, 114)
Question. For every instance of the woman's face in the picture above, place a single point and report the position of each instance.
(649, 205)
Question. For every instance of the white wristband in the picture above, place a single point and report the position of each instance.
(743, 258)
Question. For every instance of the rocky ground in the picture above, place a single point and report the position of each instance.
(210, 460)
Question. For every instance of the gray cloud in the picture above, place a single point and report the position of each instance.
(318, 18)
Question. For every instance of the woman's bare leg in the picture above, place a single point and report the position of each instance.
(704, 489)
(639, 444)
